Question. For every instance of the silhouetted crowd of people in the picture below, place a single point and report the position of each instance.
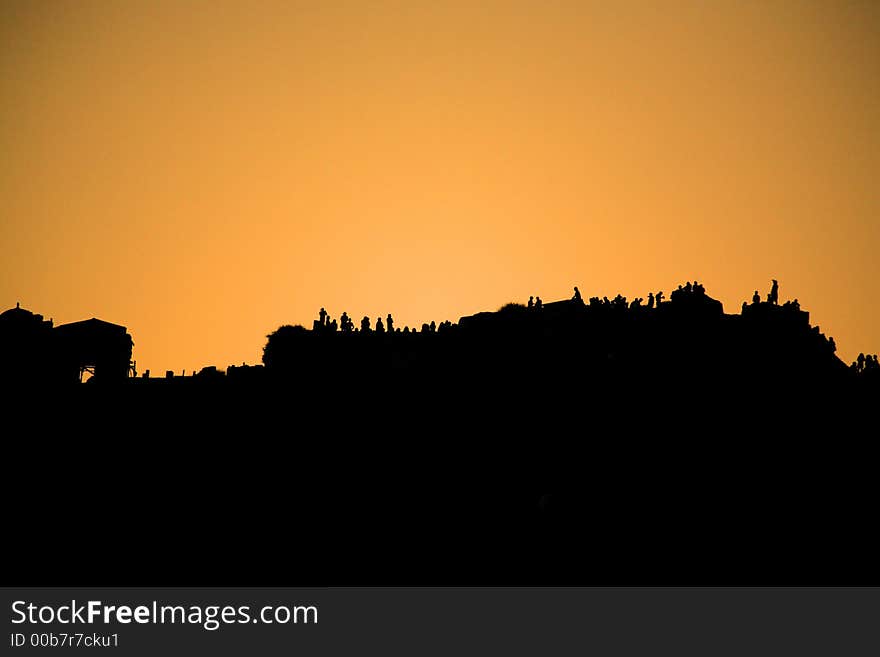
(682, 294)
(866, 364)
(690, 290)
(324, 325)
(687, 290)
(772, 296)
(773, 300)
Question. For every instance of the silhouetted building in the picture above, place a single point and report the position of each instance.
(27, 346)
(95, 346)
(32, 350)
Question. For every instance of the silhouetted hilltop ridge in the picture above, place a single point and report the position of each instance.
(642, 342)
(688, 337)
(679, 443)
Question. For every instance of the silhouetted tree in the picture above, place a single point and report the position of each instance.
(284, 347)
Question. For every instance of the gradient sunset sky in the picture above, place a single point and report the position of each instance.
(203, 172)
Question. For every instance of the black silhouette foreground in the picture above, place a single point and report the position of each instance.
(609, 441)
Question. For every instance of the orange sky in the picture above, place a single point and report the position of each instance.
(203, 172)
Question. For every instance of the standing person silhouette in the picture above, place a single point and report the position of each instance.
(773, 297)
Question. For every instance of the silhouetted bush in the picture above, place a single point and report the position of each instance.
(284, 347)
(512, 308)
